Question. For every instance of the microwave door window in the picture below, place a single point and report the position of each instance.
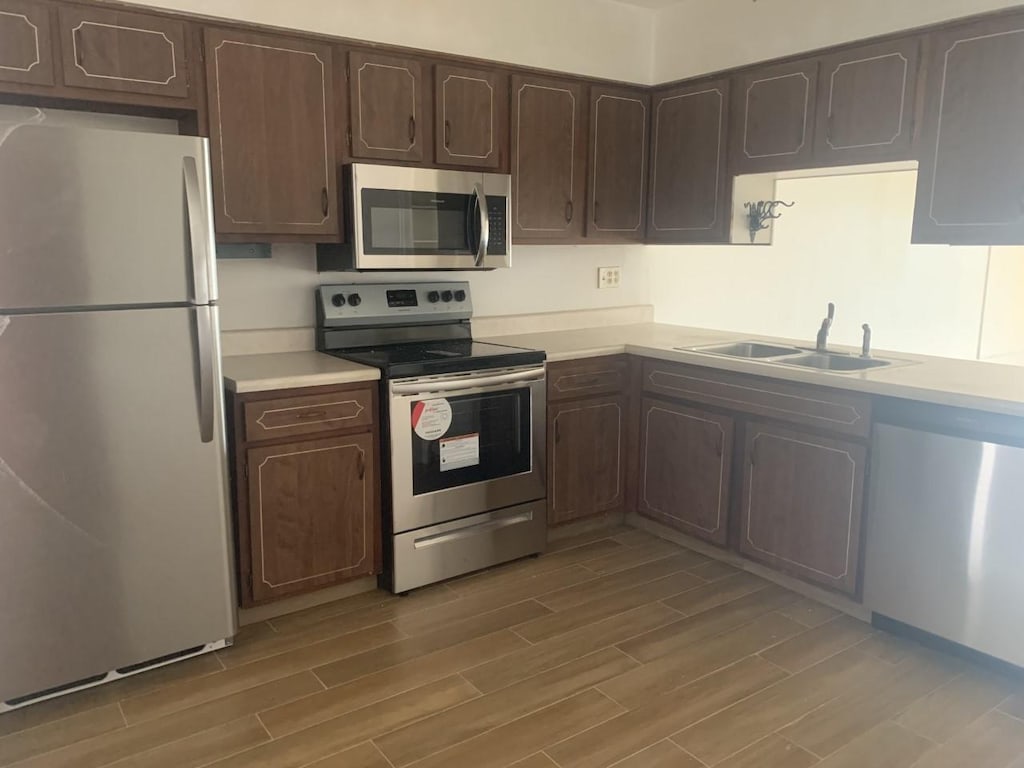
(415, 223)
(488, 437)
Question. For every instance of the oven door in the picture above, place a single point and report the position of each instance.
(466, 443)
(422, 218)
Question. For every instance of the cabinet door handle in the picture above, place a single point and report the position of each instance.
(325, 202)
(412, 128)
(721, 445)
(828, 128)
(558, 432)
(79, 49)
(597, 211)
(362, 465)
(568, 211)
(447, 134)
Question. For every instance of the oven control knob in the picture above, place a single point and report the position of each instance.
(338, 300)
(354, 300)
(446, 295)
(433, 297)
(460, 295)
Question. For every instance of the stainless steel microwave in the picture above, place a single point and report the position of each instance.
(399, 217)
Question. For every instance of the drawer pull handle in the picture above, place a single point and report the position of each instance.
(311, 414)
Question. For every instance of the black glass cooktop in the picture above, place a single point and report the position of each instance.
(433, 357)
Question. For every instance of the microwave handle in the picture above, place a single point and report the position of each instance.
(485, 224)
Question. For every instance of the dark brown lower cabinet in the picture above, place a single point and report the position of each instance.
(306, 505)
(801, 505)
(585, 458)
(686, 457)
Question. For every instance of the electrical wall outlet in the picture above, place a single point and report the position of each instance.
(609, 277)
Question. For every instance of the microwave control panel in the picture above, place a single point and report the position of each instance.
(496, 207)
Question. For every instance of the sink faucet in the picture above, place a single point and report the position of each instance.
(826, 326)
(865, 348)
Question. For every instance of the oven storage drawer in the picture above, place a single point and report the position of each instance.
(429, 555)
(308, 414)
(583, 378)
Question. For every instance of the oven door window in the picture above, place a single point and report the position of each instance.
(419, 223)
(488, 437)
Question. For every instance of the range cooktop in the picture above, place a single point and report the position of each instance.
(443, 356)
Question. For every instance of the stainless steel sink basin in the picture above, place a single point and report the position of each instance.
(826, 361)
(752, 350)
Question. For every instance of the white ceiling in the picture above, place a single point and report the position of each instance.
(652, 4)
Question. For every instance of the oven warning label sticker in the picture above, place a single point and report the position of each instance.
(431, 418)
(460, 452)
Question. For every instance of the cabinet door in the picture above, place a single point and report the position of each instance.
(386, 98)
(471, 117)
(617, 201)
(271, 125)
(685, 466)
(866, 102)
(585, 458)
(970, 186)
(773, 123)
(120, 51)
(548, 160)
(313, 519)
(689, 196)
(26, 49)
(802, 503)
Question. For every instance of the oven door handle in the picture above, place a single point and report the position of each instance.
(429, 387)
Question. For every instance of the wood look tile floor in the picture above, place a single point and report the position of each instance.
(614, 649)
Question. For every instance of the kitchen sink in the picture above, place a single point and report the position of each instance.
(827, 361)
(753, 350)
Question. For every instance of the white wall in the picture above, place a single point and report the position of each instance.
(1003, 327)
(278, 292)
(695, 37)
(601, 38)
(846, 240)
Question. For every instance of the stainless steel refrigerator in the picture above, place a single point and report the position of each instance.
(115, 546)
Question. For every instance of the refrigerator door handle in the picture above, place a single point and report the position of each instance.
(206, 349)
(198, 233)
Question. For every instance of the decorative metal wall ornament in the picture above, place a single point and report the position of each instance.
(759, 213)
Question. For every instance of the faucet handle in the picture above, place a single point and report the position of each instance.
(831, 312)
(865, 350)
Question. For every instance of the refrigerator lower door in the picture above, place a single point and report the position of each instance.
(114, 530)
(92, 217)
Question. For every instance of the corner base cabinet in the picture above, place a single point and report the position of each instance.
(587, 438)
(305, 490)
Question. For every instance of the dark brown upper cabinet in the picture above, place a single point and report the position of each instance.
(772, 124)
(970, 186)
(386, 107)
(26, 48)
(866, 103)
(114, 50)
(689, 187)
(617, 198)
(271, 135)
(548, 160)
(470, 117)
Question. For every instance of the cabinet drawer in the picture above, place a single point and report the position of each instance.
(308, 414)
(820, 407)
(582, 378)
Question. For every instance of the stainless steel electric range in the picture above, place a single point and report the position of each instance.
(463, 437)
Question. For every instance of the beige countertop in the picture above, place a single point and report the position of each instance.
(288, 370)
(944, 381)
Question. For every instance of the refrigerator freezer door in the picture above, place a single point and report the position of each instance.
(114, 531)
(100, 218)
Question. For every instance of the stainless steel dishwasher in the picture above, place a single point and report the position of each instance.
(945, 528)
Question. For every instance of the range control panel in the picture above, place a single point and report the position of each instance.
(358, 304)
